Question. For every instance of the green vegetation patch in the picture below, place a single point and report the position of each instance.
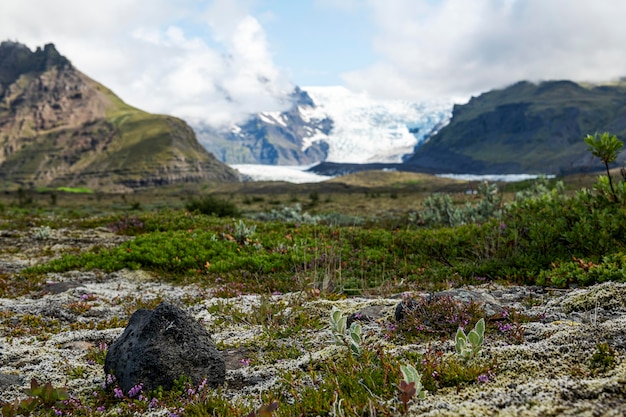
(78, 190)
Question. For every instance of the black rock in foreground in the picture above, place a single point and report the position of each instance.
(159, 346)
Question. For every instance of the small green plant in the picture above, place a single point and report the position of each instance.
(468, 346)
(440, 210)
(338, 328)
(42, 233)
(603, 358)
(606, 147)
(41, 398)
(243, 233)
(355, 339)
(410, 386)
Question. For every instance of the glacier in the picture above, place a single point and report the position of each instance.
(293, 174)
(367, 129)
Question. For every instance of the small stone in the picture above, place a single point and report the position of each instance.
(7, 380)
(159, 347)
(369, 313)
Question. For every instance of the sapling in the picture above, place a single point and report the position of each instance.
(606, 147)
(468, 345)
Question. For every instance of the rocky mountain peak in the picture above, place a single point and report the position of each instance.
(17, 59)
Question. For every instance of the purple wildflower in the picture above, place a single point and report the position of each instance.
(483, 378)
(134, 391)
(154, 403)
(503, 328)
(245, 362)
(118, 393)
(109, 381)
(202, 385)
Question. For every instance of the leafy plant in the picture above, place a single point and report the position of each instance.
(439, 209)
(468, 345)
(410, 386)
(603, 359)
(338, 330)
(42, 233)
(441, 370)
(44, 398)
(243, 233)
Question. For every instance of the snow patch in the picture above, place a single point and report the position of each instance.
(493, 177)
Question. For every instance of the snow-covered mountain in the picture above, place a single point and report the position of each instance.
(329, 124)
(369, 130)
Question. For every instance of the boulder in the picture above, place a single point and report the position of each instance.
(162, 345)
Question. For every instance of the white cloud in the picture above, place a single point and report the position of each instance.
(148, 52)
(461, 47)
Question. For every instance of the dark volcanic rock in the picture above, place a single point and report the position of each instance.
(161, 345)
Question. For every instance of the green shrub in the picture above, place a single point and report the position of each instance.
(211, 205)
(439, 210)
(288, 214)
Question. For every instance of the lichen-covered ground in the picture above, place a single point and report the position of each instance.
(53, 333)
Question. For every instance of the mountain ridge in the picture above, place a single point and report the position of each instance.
(271, 138)
(525, 128)
(59, 127)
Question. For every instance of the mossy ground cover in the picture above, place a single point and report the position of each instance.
(532, 241)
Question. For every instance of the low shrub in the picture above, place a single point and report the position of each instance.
(211, 205)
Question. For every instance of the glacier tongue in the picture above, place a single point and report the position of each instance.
(372, 130)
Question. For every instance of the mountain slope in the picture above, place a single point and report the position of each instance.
(329, 124)
(272, 138)
(58, 127)
(525, 128)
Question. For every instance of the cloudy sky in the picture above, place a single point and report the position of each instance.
(218, 60)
